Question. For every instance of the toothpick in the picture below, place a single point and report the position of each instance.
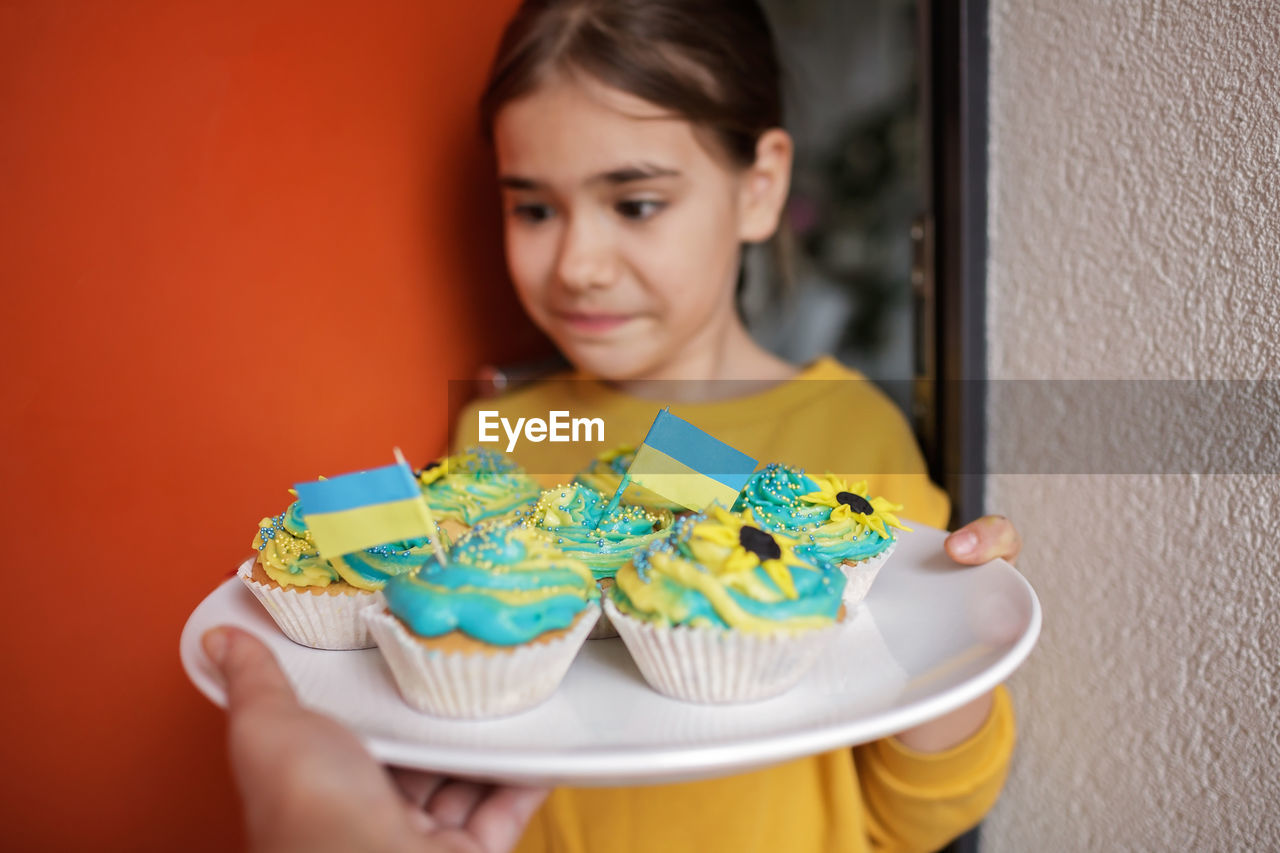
(432, 527)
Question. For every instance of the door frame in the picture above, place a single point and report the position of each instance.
(950, 238)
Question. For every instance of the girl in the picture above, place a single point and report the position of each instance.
(639, 147)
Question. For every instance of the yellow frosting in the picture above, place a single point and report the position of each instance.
(705, 575)
(289, 556)
(291, 560)
(878, 520)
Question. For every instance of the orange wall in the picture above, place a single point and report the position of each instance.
(242, 244)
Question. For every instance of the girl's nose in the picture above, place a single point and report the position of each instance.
(586, 258)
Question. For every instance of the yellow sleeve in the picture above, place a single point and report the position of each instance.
(897, 470)
(918, 801)
(905, 480)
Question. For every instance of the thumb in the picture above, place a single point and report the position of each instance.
(252, 676)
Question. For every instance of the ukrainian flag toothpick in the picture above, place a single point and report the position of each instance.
(686, 465)
(353, 512)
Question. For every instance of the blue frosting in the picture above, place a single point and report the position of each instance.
(503, 584)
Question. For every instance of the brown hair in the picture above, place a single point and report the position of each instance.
(712, 62)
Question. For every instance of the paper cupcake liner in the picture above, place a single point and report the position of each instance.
(320, 621)
(603, 629)
(710, 665)
(861, 575)
(475, 686)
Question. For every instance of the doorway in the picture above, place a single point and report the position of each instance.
(882, 262)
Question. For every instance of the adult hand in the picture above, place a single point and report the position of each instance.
(985, 539)
(308, 784)
(977, 542)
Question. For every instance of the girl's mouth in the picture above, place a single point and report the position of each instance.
(591, 323)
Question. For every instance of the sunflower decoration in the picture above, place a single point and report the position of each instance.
(851, 502)
(433, 471)
(474, 462)
(732, 545)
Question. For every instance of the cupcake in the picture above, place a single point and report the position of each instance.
(469, 487)
(723, 611)
(491, 632)
(838, 521)
(317, 602)
(575, 518)
(605, 474)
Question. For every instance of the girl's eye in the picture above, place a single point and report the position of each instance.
(532, 212)
(638, 208)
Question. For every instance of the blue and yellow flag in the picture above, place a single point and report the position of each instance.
(358, 511)
(685, 465)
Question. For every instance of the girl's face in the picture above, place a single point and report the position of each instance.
(622, 229)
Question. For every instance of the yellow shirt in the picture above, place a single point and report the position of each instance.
(879, 796)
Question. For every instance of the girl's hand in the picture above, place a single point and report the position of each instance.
(977, 542)
(985, 539)
(307, 783)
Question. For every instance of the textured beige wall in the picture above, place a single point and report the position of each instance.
(1135, 233)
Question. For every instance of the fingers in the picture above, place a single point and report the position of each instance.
(469, 813)
(985, 539)
(454, 802)
(417, 786)
(250, 671)
(499, 821)
(277, 766)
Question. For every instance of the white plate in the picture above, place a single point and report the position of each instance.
(930, 636)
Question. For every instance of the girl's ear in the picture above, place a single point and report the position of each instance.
(763, 192)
